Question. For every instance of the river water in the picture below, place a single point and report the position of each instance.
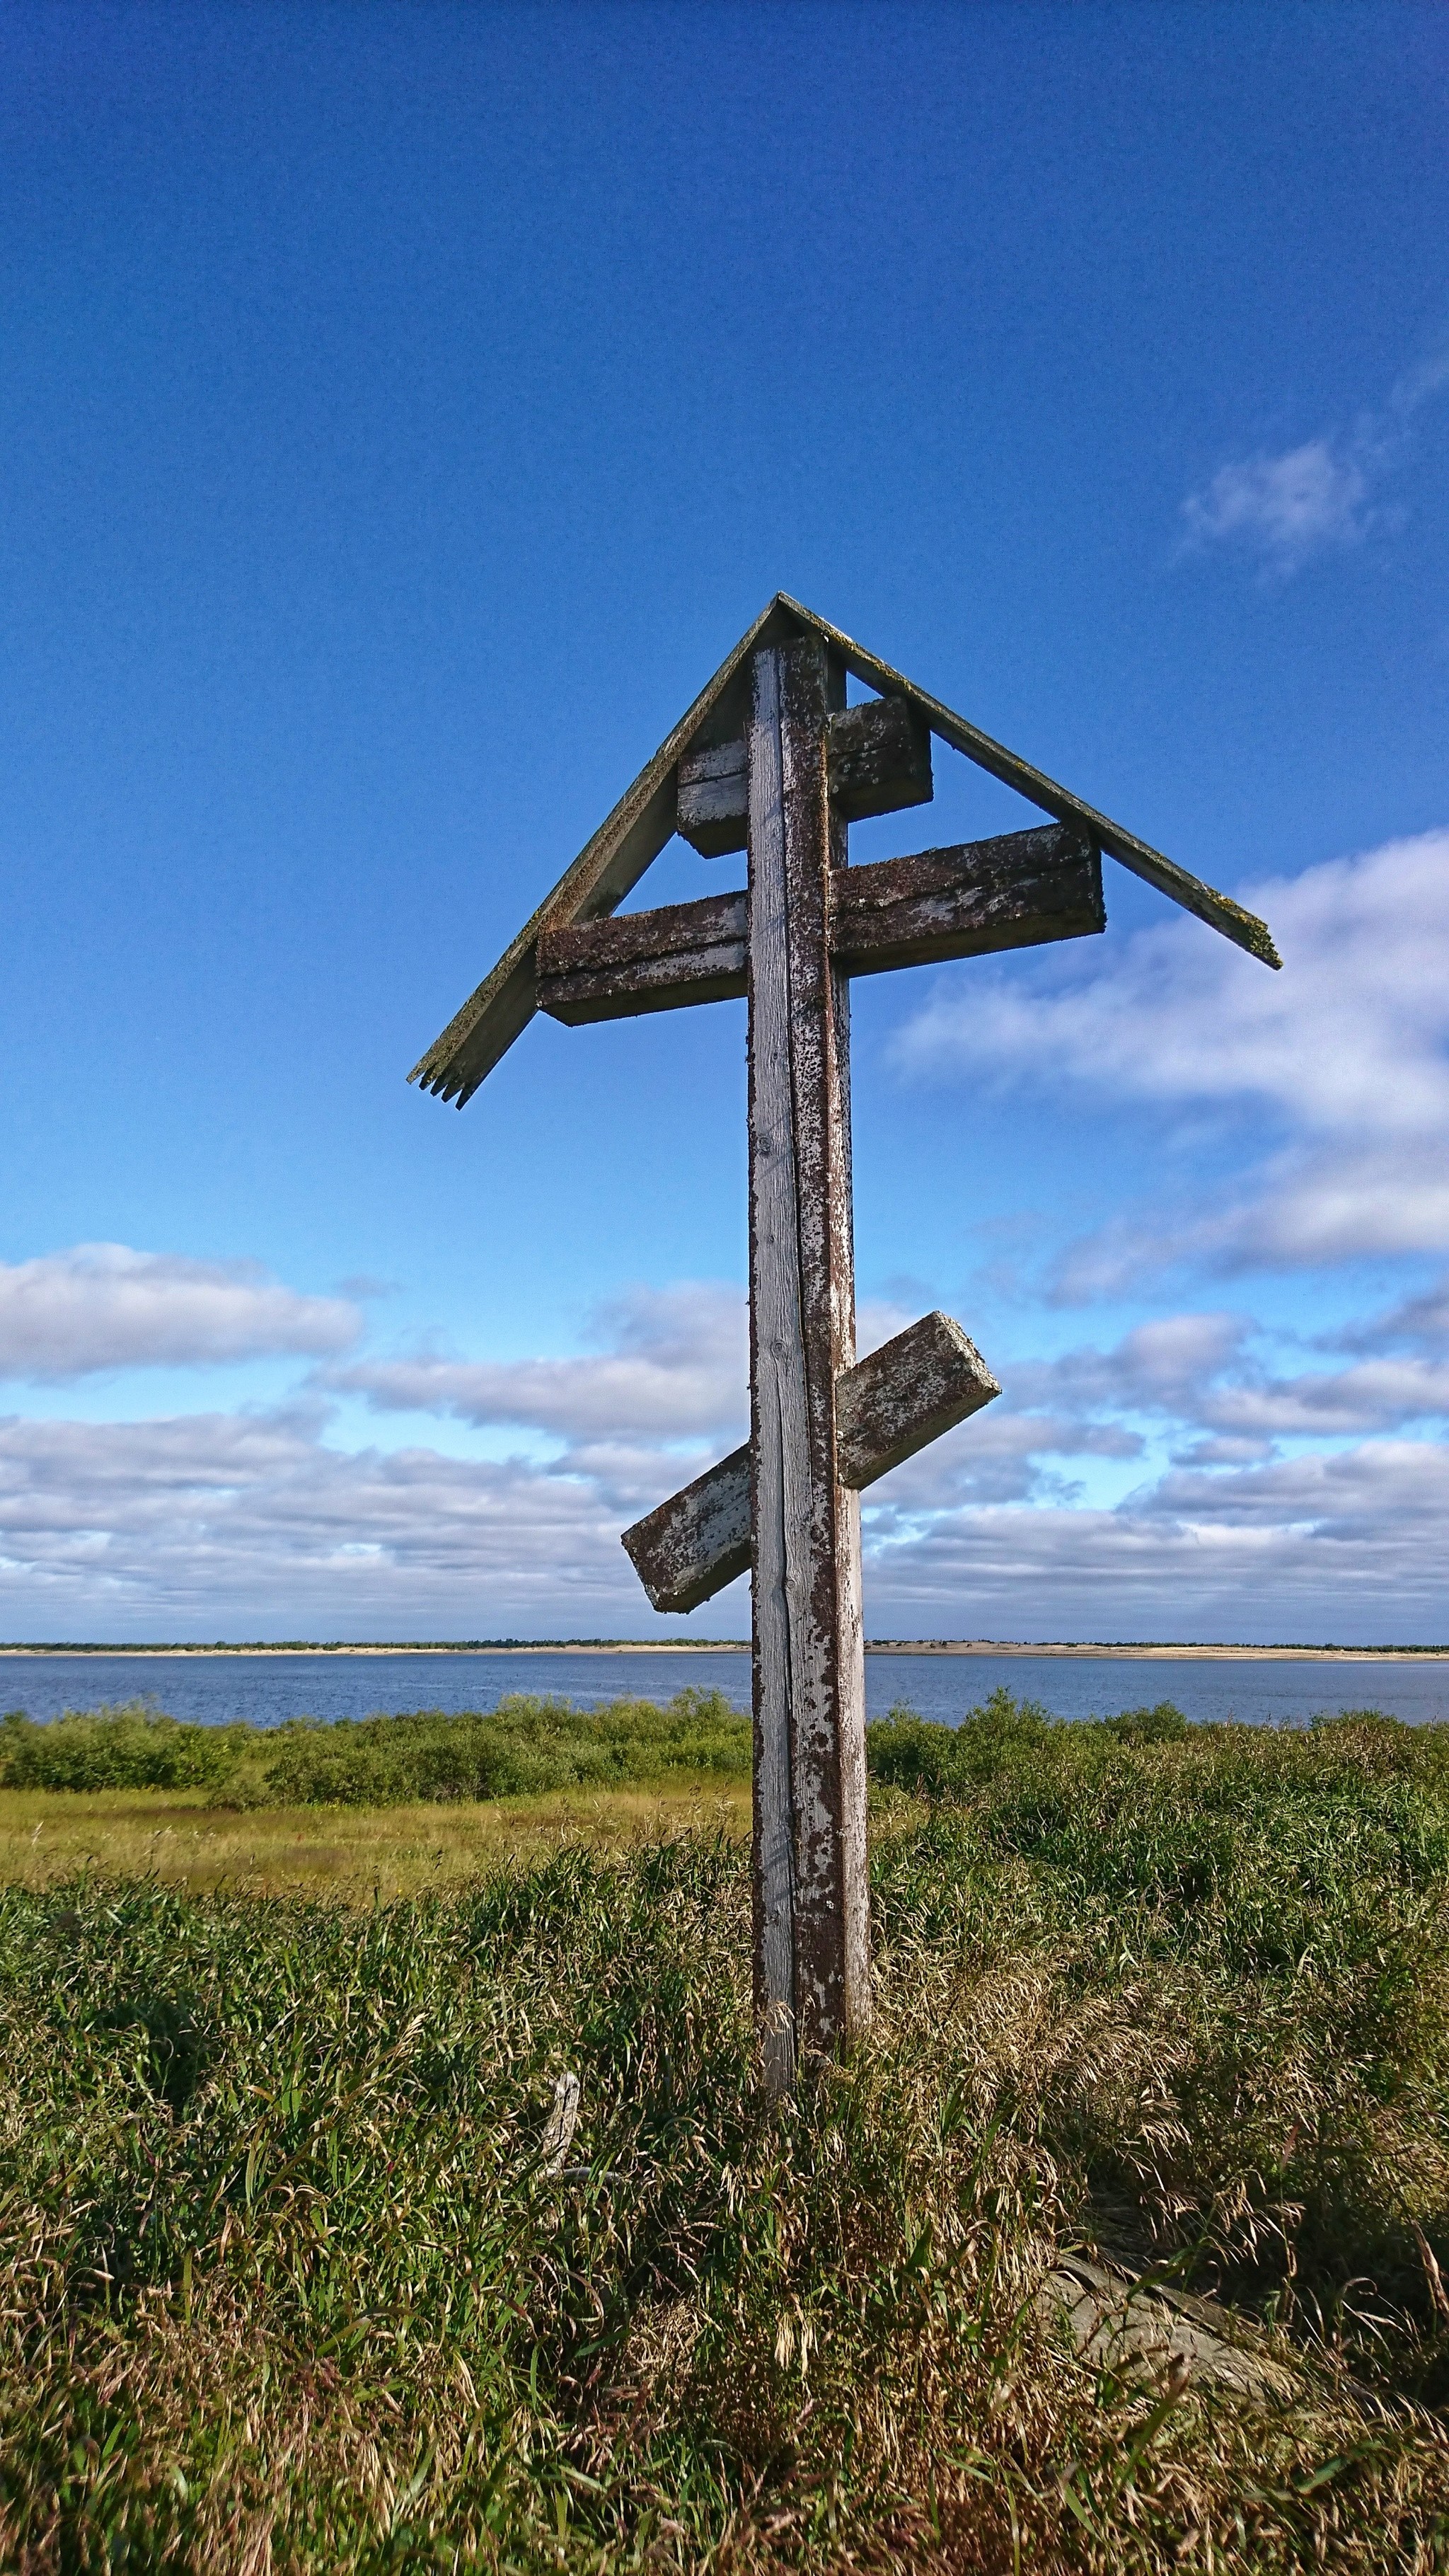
(266, 1689)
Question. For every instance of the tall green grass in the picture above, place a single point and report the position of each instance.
(285, 2283)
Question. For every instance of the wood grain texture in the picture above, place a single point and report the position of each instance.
(889, 1405)
(880, 759)
(713, 799)
(812, 1927)
(1218, 910)
(779, 1437)
(1014, 891)
(607, 868)
(645, 961)
(691, 1546)
(917, 1385)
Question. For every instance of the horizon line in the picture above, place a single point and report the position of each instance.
(692, 1645)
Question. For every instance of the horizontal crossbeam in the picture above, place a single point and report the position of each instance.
(888, 1406)
(645, 961)
(879, 759)
(1016, 891)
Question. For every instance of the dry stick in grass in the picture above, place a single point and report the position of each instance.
(563, 2119)
(558, 2137)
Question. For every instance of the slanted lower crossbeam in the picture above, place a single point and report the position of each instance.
(921, 1383)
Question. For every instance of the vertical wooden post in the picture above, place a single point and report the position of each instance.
(811, 1917)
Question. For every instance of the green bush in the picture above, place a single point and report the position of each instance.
(129, 1746)
(1163, 1724)
(523, 1746)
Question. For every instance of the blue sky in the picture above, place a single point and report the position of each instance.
(405, 409)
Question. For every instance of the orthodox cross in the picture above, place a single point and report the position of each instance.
(772, 761)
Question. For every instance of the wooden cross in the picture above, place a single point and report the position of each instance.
(771, 760)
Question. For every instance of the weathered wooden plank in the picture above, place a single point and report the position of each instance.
(813, 1981)
(779, 1436)
(880, 759)
(917, 1385)
(713, 806)
(608, 866)
(645, 961)
(691, 1546)
(889, 1405)
(1218, 910)
(1011, 892)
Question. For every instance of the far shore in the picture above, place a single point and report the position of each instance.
(740, 1646)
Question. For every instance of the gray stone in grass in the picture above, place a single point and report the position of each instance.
(1147, 2330)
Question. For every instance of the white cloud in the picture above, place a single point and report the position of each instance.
(676, 1364)
(1351, 1545)
(253, 1524)
(1379, 1395)
(260, 1521)
(1199, 1372)
(1416, 1324)
(1317, 497)
(1347, 1051)
(1286, 508)
(104, 1306)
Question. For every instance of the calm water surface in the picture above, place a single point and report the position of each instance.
(266, 1689)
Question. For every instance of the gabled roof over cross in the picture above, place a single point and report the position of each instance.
(646, 816)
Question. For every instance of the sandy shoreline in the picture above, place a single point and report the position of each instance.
(736, 1646)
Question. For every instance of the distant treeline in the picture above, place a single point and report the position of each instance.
(369, 1645)
(685, 1645)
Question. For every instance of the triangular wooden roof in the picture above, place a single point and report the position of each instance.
(609, 865)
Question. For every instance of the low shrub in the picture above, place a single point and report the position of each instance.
(131, 1745)
(1163, 1724)
(524, 1745)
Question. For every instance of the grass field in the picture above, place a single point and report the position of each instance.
(354, 1854)
(287, 2284)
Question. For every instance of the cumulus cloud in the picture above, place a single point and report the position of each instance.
(105, 1306)
(1316, 498)
(1286, 508)
(1200, 1372)
(675, 1365)
(1418, 1323)
(1347, 1051)
(1266, 1516)
(1348, 1545)
(263, 1520)
(263, 1525)
(130, 1526)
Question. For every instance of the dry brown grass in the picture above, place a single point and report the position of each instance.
(351, 1853)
